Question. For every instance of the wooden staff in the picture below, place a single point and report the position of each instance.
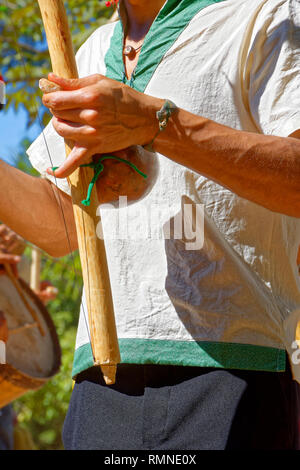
(92, 249)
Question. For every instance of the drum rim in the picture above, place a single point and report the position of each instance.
(20, 379)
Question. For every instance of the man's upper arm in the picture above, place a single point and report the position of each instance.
(295, 134)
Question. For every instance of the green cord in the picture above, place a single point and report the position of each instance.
(98, 168)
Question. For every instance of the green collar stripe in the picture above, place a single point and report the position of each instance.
(165, 30)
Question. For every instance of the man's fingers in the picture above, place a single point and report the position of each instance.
(61, 100)
(72, 97)
(72, 130)
(7, 234)
(76, 83)
(10, 237)
(12, 260)
(14, 245)
(78, 93)
(78, 156)
(6, 258)
(81, 116)
(3, 230)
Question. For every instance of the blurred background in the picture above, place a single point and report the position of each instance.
(23, 61)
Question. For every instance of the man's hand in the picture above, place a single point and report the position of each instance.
(10, 242)
(13, 260)
(99, 115)
(47, 292)
(9, 259)
(11, 246)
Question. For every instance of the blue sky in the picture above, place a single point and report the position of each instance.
(12, 131)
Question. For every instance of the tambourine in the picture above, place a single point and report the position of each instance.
(33, 354)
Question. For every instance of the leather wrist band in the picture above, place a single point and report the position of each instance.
(163, 116)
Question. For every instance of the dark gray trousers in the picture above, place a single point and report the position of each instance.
(153, 407)
(6, 428)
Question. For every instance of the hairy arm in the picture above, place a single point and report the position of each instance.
(38, 211)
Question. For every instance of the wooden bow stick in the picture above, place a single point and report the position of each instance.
(92, 249)
(35, 269)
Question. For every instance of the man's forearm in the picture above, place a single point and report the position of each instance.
(36, 209)
(263, 169)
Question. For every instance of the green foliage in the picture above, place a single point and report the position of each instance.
(20, 160)
(24, 54)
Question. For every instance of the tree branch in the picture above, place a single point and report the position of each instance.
(26, 47)
(22, 80)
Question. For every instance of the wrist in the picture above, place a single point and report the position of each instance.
(163, 116)
(148, 108)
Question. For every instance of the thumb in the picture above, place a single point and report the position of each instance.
(78, 156)
(74, 83)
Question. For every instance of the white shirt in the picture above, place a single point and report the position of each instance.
(235, 301)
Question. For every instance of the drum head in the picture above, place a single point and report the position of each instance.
(28, 351)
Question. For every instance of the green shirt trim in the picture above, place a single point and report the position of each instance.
(191, 353)
(165, 30)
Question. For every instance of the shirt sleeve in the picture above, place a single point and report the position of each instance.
(48, 150)
(273, 68)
